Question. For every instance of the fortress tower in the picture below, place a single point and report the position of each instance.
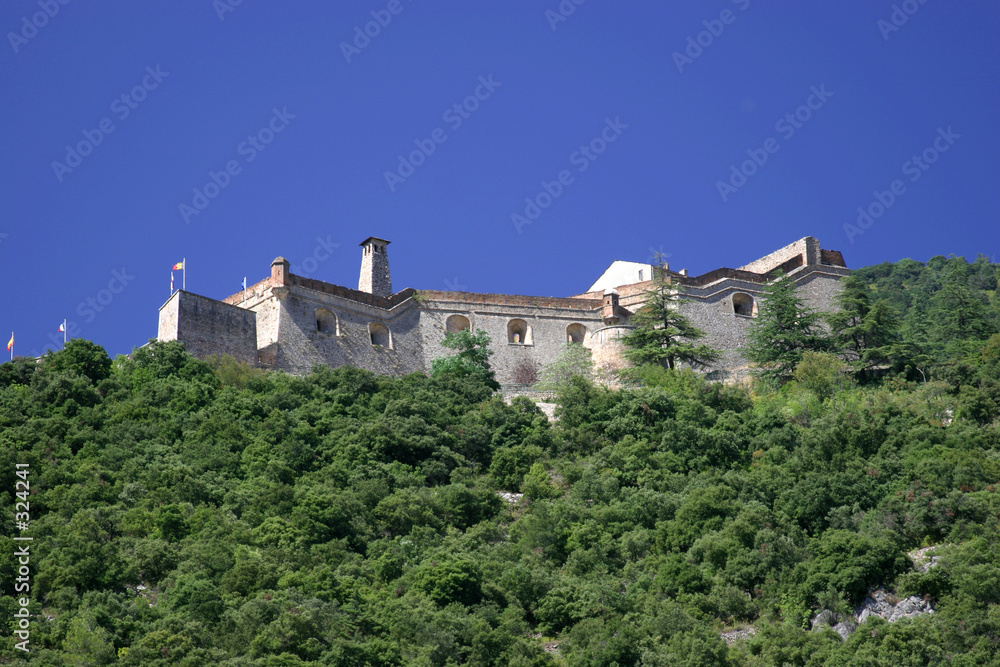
(374, 277)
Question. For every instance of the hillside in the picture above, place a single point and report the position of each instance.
(193, 513)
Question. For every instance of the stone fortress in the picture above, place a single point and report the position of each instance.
(292, 323)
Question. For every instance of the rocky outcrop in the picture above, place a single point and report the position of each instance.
(879, 603)
(733, 636)
(924, 559)
(883, 604)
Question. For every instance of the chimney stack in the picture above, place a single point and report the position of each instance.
(375, 277)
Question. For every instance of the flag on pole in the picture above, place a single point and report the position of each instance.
(10, 345)
(179, 266)
(171, 283)
(62, 327)
(244, 283)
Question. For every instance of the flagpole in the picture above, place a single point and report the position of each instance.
(12, 346)
(184, 273)
(64, 332)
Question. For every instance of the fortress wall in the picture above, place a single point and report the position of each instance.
(548, 330)
(807, 247)
(166, 328)
(724, 329)
(267, 310)
(275, 325)
(819, 288)
(353, 295)
(252, 292)
(711, 308)
(207, 327)
(301, 345)
(473, 298)
(608, 350)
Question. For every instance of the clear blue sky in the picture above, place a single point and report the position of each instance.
(183, 86)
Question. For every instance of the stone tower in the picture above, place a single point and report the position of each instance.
(374, 277)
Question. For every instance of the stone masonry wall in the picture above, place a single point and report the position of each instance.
(301, 345)
(207, 327)
(548, 328)
(807, 247)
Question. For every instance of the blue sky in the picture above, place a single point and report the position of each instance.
(137, 134)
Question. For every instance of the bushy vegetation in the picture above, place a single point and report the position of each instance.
(193, 513)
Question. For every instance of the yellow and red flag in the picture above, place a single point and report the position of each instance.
(178, 266)
(11, 343)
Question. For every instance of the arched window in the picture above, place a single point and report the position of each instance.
(457, 323)
(380, 335)
(576, 333)
(519, 332)
(326, 321)
(743, 304)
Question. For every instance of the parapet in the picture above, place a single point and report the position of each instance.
(807, 248)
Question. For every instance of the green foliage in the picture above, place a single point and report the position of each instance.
(472, 359)
(867, 334)
(783, 331)
(451, 580)
(948, 306)
(822, 373)
(200, 513)
(82, 357)
(664, 336)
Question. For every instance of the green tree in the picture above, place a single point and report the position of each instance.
(959, 312)
(17, 371)
(822, 373)
(783, 331)
(664, 336)
(471, 360)
(83, 357)
(453, 579)
(866, 334)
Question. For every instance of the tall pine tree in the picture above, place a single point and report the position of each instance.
(866, 334)
(783, 330)
(663, 335)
